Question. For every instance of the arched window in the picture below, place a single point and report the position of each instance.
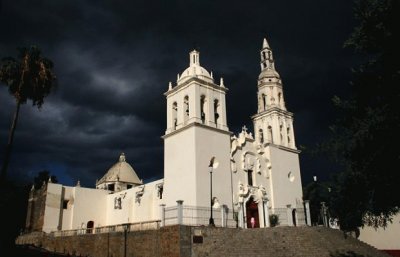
(288, 135)
(174, 115)
(280, 99)
(216, 112)
(281, 132)
(264, 99)
(186, 108)
(202, 109)
(261, 136)
(270, 136)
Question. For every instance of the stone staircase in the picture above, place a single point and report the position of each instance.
(281, 242)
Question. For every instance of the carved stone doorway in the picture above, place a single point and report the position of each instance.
(252, 211)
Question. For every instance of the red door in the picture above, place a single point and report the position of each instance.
(252, 212)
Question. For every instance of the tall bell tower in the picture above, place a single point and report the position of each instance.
(274, 132)
(196, 131)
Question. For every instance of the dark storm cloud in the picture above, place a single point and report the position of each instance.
(114, 60)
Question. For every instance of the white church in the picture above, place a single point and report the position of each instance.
(211, 176)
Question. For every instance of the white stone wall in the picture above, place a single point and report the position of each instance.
(88, 205)
(53, 207)
(209, 143)
(179, 172)
(285, 178)
(136, 204)
(187, 156)
(383, 238)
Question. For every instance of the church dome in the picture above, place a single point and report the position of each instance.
(195, 70)
(122, 172)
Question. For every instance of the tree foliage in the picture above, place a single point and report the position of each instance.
(366, 136)
(43, 177)
(316, 192)
(30, 77)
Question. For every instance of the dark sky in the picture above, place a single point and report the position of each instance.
(114, 59)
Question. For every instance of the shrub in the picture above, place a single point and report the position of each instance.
(273, 220)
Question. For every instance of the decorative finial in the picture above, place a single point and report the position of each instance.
(78, 184)
(177, 77)
(33, 187)
(221, 82)
(50, 180)
(211, 74)
(244, 129)
(170, 84)
(122, 157)
(194, 58)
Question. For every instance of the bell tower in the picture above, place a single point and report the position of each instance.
(274, 135)
(273, 123)
(196, 132)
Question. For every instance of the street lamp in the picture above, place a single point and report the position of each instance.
(213, 165)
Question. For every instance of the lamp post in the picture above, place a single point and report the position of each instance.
(213, 165)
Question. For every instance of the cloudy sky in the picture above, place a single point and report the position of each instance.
(114, 59)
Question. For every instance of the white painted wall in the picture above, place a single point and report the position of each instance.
(53, 207)
(285, 191)
(134, 209)
(383, 238)
(209, 143)
(89, 204)
(179, 172)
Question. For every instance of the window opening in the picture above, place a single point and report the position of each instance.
(216, 114)
(270, 136)
(65, 204)
(175, 114)
(250, 177)
(202, 107)
(264, 99)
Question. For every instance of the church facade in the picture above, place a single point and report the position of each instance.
(243, 179)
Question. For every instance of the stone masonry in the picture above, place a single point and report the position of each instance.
(185, 241)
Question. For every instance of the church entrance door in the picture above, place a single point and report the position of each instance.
(252, 214)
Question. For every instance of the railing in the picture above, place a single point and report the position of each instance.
(192, 216)
(138, 226)
(287, 218)
(198, 216)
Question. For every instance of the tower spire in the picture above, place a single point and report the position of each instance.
(267, 60)
(265, 44)
(272, 121)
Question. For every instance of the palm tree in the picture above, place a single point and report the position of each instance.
(30, 77)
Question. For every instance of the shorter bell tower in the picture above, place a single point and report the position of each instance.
(196, 132)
